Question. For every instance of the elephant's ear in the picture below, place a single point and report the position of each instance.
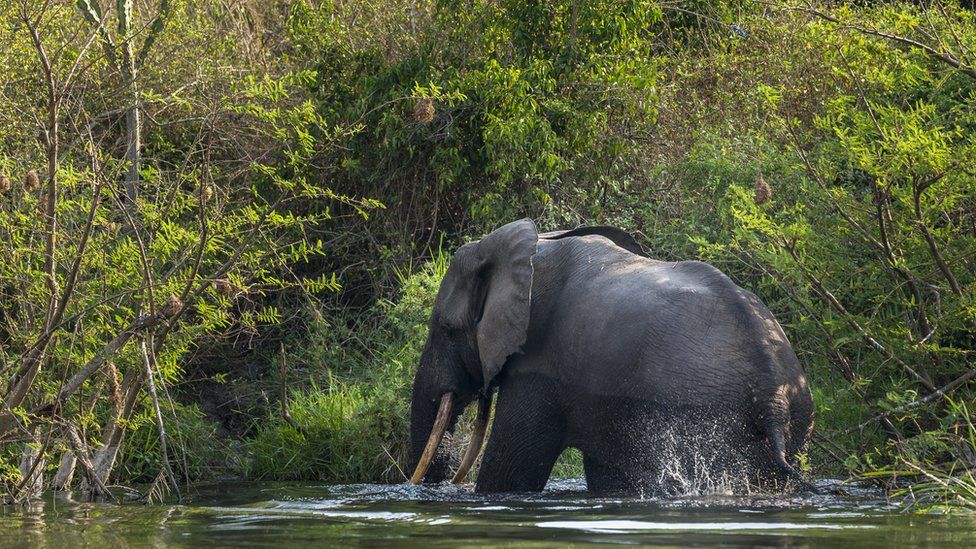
(504, 318)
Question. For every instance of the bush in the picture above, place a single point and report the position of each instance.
(345, 434)
(355, 429)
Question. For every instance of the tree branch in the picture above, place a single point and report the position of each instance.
(946, 58)
(940, 392)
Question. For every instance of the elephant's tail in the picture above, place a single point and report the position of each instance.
(776, 432)
(778, 439)
(783, 422)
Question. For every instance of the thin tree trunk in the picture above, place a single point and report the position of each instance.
(283, 396)
(66, 472)
(32, 467)
(79, 451)
(133, 130)
(132, 156)
(114, 430)
(161, 428)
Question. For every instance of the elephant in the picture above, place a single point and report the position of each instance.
(645, 366)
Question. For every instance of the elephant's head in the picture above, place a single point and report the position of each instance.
(480, 318)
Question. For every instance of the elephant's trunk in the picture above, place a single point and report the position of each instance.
(434, 440)
(441, 373)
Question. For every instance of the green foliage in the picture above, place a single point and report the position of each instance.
(939, 487)
(197, 452)
(344, 435)
(569, 464)
(192, 262)
(490, 111)
(353, 421)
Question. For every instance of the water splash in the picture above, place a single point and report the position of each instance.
(694, 456)
(699, 462)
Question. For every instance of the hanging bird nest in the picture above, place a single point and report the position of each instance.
(423, 111)
(762, 192)
(115, 388)
(172, 307)
(31, 181)
(224, 287)
(4, 183)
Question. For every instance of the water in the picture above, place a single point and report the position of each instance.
(282, 515)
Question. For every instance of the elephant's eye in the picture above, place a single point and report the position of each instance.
(448, 329)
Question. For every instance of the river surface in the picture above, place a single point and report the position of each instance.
(235, 514)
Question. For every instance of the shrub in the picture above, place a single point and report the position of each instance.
(355, 429)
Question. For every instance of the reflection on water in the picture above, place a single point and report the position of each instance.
(238, 514)
(610, 526)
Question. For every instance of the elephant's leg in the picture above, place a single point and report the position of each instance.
(602, 477)
(527, 436)
(618, 466)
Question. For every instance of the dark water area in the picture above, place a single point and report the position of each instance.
(235, 514)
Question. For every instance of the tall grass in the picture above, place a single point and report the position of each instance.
(948, 485)
(346, 433)
(569, 464)
(941, 491)
(196, 451)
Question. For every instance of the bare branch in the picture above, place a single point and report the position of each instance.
(937, 393)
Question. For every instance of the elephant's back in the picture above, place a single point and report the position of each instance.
(669, 333)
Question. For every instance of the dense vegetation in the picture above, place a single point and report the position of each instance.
(227, 223)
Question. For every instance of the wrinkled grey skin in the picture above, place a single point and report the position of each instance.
(642, 365)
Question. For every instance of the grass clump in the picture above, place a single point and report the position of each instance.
(350, 433)
(569, 464)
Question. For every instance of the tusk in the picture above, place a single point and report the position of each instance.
(477, 439)
(436, 434)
